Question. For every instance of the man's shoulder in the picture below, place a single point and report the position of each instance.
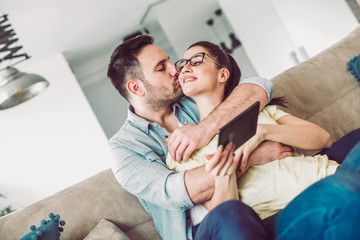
(127, 132)
(130, 139)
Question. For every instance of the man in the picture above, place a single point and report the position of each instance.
(143, 75)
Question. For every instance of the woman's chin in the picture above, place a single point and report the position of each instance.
(188, 92)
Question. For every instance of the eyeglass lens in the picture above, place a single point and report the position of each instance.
(195, 60)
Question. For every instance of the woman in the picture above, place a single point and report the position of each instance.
(208, 75)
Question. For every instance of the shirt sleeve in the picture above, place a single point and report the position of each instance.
(266, 84)
(274, 112)
(148, 179)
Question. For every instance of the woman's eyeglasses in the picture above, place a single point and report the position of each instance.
(195, 60)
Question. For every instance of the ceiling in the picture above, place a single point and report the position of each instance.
(80, 29)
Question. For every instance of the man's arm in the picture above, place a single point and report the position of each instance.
(241, 98)
(187, 139)
(222, 163)
(148, 178)
(200, 184)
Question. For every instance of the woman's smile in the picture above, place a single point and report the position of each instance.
(187, 79)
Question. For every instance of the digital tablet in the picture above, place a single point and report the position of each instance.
(241, 128)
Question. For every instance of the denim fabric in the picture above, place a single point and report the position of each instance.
(329, 209)
(139, 151)
(343, 146)
(231, 220)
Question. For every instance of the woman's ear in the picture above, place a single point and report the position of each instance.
(224, 75)
(135, 87)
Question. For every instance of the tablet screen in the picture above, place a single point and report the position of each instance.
(241, 128)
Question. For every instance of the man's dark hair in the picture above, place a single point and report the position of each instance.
(124, 64)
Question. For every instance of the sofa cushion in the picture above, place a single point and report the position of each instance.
(354, 67)
(48, 229)
(106, 230)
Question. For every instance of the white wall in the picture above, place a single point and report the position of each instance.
(51, 141)
(274, 30)
(110, 108)
(315, 25)
(266, 40)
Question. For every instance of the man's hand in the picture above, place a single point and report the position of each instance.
(265, 152)
(268, 151)
(185, 140)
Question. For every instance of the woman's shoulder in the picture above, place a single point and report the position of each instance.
(274, 112)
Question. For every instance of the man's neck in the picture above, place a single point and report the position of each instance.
(164, 117)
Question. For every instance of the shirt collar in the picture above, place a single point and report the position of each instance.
(144, 124)
(137, 121)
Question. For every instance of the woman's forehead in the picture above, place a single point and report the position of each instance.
(194, 50)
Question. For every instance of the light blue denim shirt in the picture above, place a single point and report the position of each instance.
(139, 151)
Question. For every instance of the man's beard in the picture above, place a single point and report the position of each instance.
(160, 97)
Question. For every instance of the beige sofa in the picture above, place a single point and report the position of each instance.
(320, 90)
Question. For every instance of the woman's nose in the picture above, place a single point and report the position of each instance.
(186, 68)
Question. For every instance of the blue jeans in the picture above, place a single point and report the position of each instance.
(343, 146)
(329, 209)
(337, 152)
(230, 220)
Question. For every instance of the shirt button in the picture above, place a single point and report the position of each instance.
(166, 136)
(185, 122)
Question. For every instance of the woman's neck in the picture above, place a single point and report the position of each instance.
(207, 103)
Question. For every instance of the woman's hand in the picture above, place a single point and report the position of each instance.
(222, 166)
(222, 162)
(244, 151)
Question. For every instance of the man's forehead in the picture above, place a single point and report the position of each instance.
(151, 56)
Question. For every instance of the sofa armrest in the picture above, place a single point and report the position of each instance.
(82, 206)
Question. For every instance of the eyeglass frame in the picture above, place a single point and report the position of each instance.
(178, 69)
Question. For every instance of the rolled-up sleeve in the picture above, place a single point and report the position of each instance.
(147, 178)
(266, 84)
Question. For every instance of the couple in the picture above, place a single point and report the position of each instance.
(142, 73)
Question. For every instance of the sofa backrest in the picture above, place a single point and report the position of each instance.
(322, 91)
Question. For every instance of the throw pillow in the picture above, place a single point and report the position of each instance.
(48, 230)
(106, 230)
(354, 67)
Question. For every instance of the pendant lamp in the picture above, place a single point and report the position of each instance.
(17, 87)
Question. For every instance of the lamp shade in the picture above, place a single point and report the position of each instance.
(17, 87)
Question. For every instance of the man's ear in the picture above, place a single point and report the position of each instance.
(136, 87)
(224, 75)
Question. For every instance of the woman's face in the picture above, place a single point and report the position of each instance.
(203, 78)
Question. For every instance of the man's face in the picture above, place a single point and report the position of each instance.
(161, 83)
